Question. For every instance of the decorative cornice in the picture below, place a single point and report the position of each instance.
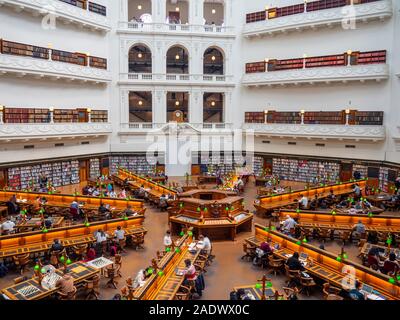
(63, 11)
(322, 18)
(313, 75)
(47, 68)
(30, 131)
(315, 131)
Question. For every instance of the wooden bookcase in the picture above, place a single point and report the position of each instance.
(369, 57)
(65, 115)
(69, 57)
(77, 3)
(97, 62)
(287, 64)
(20, 49)
(99, 116)
(324, 117)
(289, 10)
(26, 115)
(326, 61)
(254, 67)
(369, 118)
(325, 4)
(256, 16)
(97, 8)
(254, 117)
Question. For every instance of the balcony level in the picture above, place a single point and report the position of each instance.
(176, 79)
(89, 15)
(29, 60)
(313, 15)
(350, 66)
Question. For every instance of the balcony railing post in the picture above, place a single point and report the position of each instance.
(51, 112)
(1, 114)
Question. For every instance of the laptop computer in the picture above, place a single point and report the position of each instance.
(367, 289)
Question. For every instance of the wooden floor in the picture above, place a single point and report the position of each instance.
(227, 271)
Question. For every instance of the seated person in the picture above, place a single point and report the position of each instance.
(90, 254)
(129, 212)
(100, 236)
(288, 224)
(85, 190)
(142, 192)
(294, 263)
(355, 293)
(323, 204)
(95, 192)
(189, 272)
(204, 244)
(303, 202)
(119, 234)
(265, 246)
(359, 228)
(48, 221)
(112, 194)
(390, 265)
(163, 202)
(123, 194)
(103, 211)
(314, 204)
(66, 283)
(8, 226)
(140, 279)
(74, 209)
(167, 239)
(56, 246)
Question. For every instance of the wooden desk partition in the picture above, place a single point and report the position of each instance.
(268, 203)
(325, 264)
(38, 241)
(381, 223)
(136, 182)
(66, 200)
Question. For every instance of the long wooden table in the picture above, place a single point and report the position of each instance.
(36, 223)
(165, 286)
(135, 182)
(38, 241)
(31, 289)
(257, 292)
(383, 249)
(324, 264)
(29, 198)
(269, 203)
(338, 221)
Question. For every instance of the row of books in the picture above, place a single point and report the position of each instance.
(141, 165)
(94, 168)
(355, 58)
(27, 50)
(83, 4)
(355, 117)
(272, 13)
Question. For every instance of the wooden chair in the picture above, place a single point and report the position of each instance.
(307, 283)
(345, 236)
(184, 293)
(250, 252)
(291, 293)
(122, 244)
(292, 275)
(79, 250)
(138, 240)
(275, 265)
(118, 264)
(70, 296)
(324, 234)
(327, 291)
(110, 274)
(92, 287)
(20, 279)
(22, 262)
(276, 296)
(55, 257)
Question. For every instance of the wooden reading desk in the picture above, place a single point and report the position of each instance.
(268, 203)
(31, 289)
(324, 265)
(39, 241)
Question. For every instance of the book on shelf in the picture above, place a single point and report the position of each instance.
(99, 116)
(96, 62)
(287, 64)
(256, 16)
(254, 67)
(26, 115)
(77, 3)
(69, 57)
(94, 168)
(254, 117)
(140, 165)
(326, 61)
(325, 4)
(97, 8)
(20, 49)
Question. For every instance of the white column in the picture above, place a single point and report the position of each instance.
(196, 12)
(196, 106)
(228, 13)
(159, 106)
(123, 11)
(124, 106)
(159, 8)
(228, 114)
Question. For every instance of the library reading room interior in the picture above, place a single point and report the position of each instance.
(199, 150)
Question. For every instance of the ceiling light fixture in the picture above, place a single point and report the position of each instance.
(139, 7)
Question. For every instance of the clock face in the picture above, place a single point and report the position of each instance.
(177, 113)
(146, 18)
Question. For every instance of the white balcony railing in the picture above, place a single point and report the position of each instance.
(176, 29)
(40, 68)
(147, 127)
(318, 131)
(62, 11)
(184, 79)
(317, 75)
(31, 131)
(321, 18)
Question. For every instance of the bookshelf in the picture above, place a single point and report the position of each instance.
(254, 117)
(325, 4)
(258, 166)
(289, 10)
(283, 117)
(57, 174)
(326, 61)
(65, 115)
(369, 57)
(137, 164)
(77, 3)
(74, 172)
(94, 168)
(361, 168)
(369, 118)
(254, 67)
(324, 117)
(69, 57)
(256, 16)
(14, 178)
(26, 115)
(97, 62)
(287, 64)
(99, 116)
(97, 8)
(383, 179)
(26, 50)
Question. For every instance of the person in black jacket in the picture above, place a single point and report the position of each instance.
(294, 263)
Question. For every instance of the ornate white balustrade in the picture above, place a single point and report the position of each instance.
(25, 66)
(64, 12)
(176, 79)
(176, 29)
(345, 16)
(344, 74)
(317, 131)
(34, 131)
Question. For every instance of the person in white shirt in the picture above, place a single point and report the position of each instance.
(289, 223)
(140, 279)
(113, 194)
(119, 234)
(204, 244)
(167, 239)
(100, 236)
(303, 202)
(7, 226)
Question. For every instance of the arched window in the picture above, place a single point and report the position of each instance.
(213, 62)
(140, 60)
(177, 60)
(213, 107)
